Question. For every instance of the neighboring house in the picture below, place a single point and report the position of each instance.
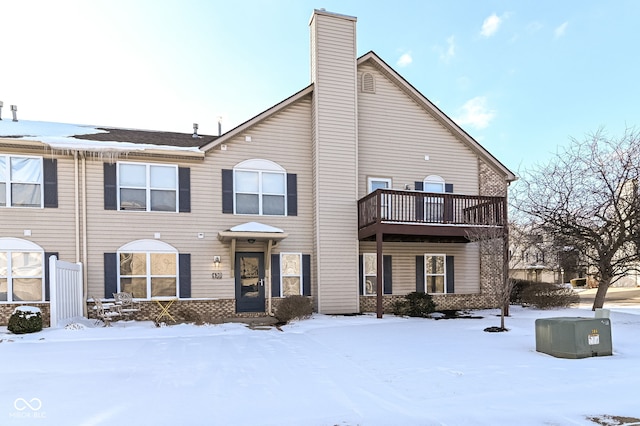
(354, 191)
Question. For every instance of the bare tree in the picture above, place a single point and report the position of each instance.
(493, 242)
(587, 197)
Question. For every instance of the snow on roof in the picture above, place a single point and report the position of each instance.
(69, 137)
(255, 227)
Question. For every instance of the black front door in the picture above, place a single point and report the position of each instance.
(249, 282)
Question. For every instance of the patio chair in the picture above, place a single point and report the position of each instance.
(125, 302)
(105, 312)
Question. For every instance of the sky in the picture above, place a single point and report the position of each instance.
(522, 78)
(324, 371)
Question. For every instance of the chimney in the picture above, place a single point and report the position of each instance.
(195, 131)
(14, 111)
(1, 104)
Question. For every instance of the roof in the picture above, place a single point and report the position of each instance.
(111, 140)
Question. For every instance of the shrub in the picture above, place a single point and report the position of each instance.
(25, 319)
(294, 307)
(548, 295)
(190, 315)
(416, 304)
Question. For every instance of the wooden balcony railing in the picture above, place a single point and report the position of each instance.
(427, 208)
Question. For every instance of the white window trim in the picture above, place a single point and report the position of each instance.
(282, 275)
(435, 179)
(370, 181)
(444, 274)
(148, 188)
(259, 166)
(364, 275)
(8, 182)
(16, 245)
(149, 247)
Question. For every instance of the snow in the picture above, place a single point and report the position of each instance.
(60, 136)
(255, 227)
(328, 370)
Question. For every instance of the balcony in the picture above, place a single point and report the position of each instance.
(426, 216)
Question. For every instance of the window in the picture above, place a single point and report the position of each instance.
(21, 271)
(20, 181)
(260, 187)
(433, 205)
(370, 276)
(435, 273)
(291, 273)
(147, 187)
(148, 269)
(374, 183)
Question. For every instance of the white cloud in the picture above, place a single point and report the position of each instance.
(475, 113)
(450, 51)
(404, 60)
(560, 30)
(490, 25)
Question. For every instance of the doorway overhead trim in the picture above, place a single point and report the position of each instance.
(252, 232)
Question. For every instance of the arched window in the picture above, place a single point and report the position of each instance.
(21, 271)
(260, 187)
(433, 183)
(148, 268)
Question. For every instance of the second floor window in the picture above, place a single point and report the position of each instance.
(20, 181)
(147, 187)
(260, 187)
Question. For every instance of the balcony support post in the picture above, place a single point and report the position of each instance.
(379, 276)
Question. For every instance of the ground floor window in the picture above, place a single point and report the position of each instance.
(370, 276)
(291, 274)
(435, 273)
(148, 269)
(21, 271)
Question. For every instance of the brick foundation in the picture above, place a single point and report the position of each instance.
(7, 309)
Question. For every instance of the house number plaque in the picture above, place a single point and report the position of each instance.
(216, 275)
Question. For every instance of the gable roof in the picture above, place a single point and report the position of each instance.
(258, 118)
(435, 112)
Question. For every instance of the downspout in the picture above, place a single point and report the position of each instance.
(85, 285)
(76, 166)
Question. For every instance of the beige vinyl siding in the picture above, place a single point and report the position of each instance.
(283, 138)
(335, 161)
(395, 134)
(466, 264)
(53, 229)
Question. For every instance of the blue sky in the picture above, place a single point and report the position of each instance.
(520, 77)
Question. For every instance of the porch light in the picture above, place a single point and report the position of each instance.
(216, 262)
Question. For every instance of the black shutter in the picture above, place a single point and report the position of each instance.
(420, 274)
(449, 272)
(184, 263)
(50, 174)
(110, 274)
(184, 186)
(275, 275)
(386, 274)
(292, 194)
(227, 191)
(360, 274)
(110, 187)
(448, 187)
(306, 275)
(419, 186)
(47, 286)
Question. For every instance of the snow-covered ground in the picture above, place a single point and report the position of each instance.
(328, 370)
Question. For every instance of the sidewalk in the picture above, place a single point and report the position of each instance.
(616, 296)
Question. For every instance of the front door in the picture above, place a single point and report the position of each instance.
(249, 282)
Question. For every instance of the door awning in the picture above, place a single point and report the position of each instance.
(252, 231)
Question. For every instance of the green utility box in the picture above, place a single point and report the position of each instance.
(567, 337)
